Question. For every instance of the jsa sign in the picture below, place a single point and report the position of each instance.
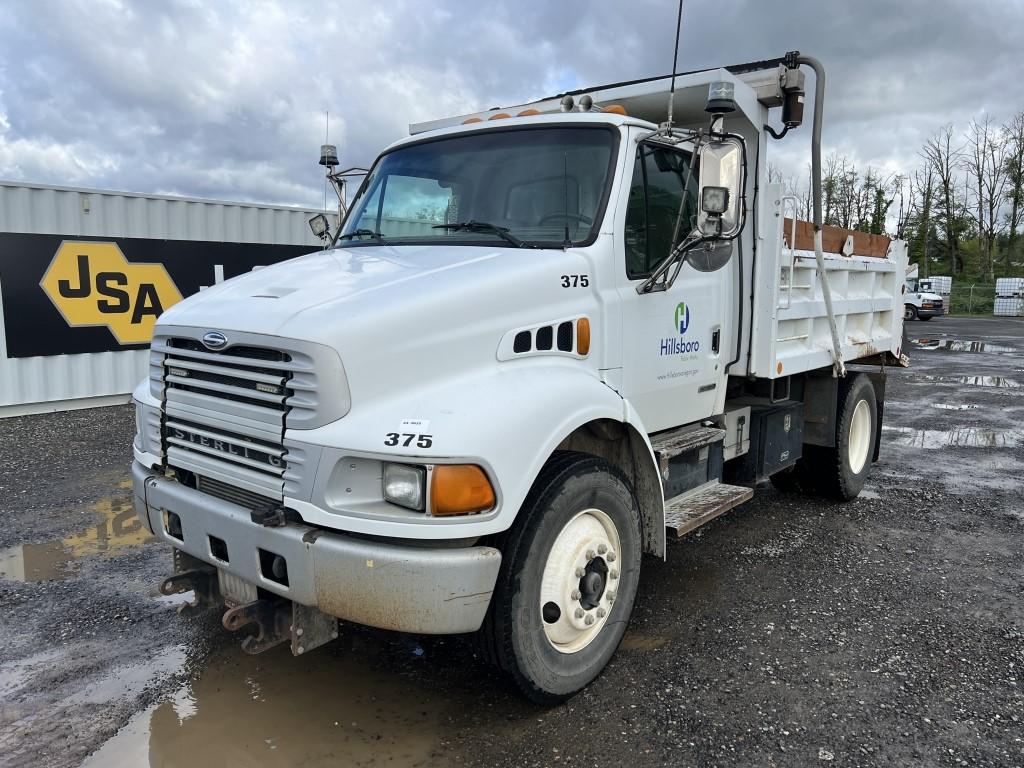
(93, 284)
(70, 295)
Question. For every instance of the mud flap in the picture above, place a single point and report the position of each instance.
(878, 382)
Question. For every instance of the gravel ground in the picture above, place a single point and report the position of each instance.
(789, 632)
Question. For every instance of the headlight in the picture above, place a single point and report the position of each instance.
(404, 484)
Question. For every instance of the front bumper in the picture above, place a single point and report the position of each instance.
(930, 312)
(422, 589)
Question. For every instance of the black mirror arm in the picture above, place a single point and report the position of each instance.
(660, 280)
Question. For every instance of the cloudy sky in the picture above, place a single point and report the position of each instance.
(226, 99)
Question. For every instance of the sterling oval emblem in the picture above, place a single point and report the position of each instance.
(214, 340)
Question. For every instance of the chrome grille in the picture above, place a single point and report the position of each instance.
(225, 412)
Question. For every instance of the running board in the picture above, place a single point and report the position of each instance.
(667, 445)
(688, 511)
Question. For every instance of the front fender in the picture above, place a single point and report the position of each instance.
(508, 421)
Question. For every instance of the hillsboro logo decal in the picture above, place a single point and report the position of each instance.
(682, 317)
(676, 345)
(93, 284)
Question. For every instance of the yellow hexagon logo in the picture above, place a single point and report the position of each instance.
(92, 283)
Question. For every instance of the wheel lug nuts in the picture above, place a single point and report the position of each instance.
(615, 573)
(611, 557)
(589, 620)
(576, 594)
(602, 549)
(579, 573)
(611, 596)
(591, 554)
(600, 613)
(579, 613)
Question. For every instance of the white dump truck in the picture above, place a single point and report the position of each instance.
(543, 339)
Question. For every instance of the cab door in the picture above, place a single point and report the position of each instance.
(673, 355)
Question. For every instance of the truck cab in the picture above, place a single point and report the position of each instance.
(919, 302)
(542, 340)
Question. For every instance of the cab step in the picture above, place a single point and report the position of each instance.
(688, 511)
(671, 443)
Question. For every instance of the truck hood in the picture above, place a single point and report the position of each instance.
(926, 296)
(269, 299)
(399, 315)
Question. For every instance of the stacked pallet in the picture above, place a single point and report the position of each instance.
(1009, 297)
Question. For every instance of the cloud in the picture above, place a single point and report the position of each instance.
(227, 99)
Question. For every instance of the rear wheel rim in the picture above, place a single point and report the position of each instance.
(580, 581)
(860, 436)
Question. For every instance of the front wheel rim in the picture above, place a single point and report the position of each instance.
(860, 436)
(580, 581)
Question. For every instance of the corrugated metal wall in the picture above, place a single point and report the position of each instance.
(51, 383)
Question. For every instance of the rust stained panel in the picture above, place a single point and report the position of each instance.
(833, 239)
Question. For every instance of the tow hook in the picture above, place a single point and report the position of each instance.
(201, 581)
(271, 619)
(278, 620)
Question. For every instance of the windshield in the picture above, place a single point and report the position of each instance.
(524, 186)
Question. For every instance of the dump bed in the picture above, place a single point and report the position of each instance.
(790, 325)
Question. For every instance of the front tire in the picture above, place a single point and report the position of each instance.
(909, 312)
(569, 574)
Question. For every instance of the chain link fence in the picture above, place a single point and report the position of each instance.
(972, 298)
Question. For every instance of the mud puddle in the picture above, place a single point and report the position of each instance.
(118, 531)
(325, 708)
(962, 345)
(966, 437)
(1000, 382)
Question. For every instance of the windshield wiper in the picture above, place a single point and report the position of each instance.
(364, 233)
(483, 226)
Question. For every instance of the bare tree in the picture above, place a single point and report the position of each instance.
(943, 156)
(829, 186)
(985, 163)
(922, 192)
(903, 188)
(1014, 131)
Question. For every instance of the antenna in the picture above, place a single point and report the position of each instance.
(675, 59)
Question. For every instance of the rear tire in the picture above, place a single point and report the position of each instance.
(548, 627)
(839, 473)
(909, 312)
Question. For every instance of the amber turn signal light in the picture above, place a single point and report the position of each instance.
(583, 337)
(459, 489)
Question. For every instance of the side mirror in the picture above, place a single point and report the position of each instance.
(320, 226)
(721, 188)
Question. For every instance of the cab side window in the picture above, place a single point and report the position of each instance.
(656, 200)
